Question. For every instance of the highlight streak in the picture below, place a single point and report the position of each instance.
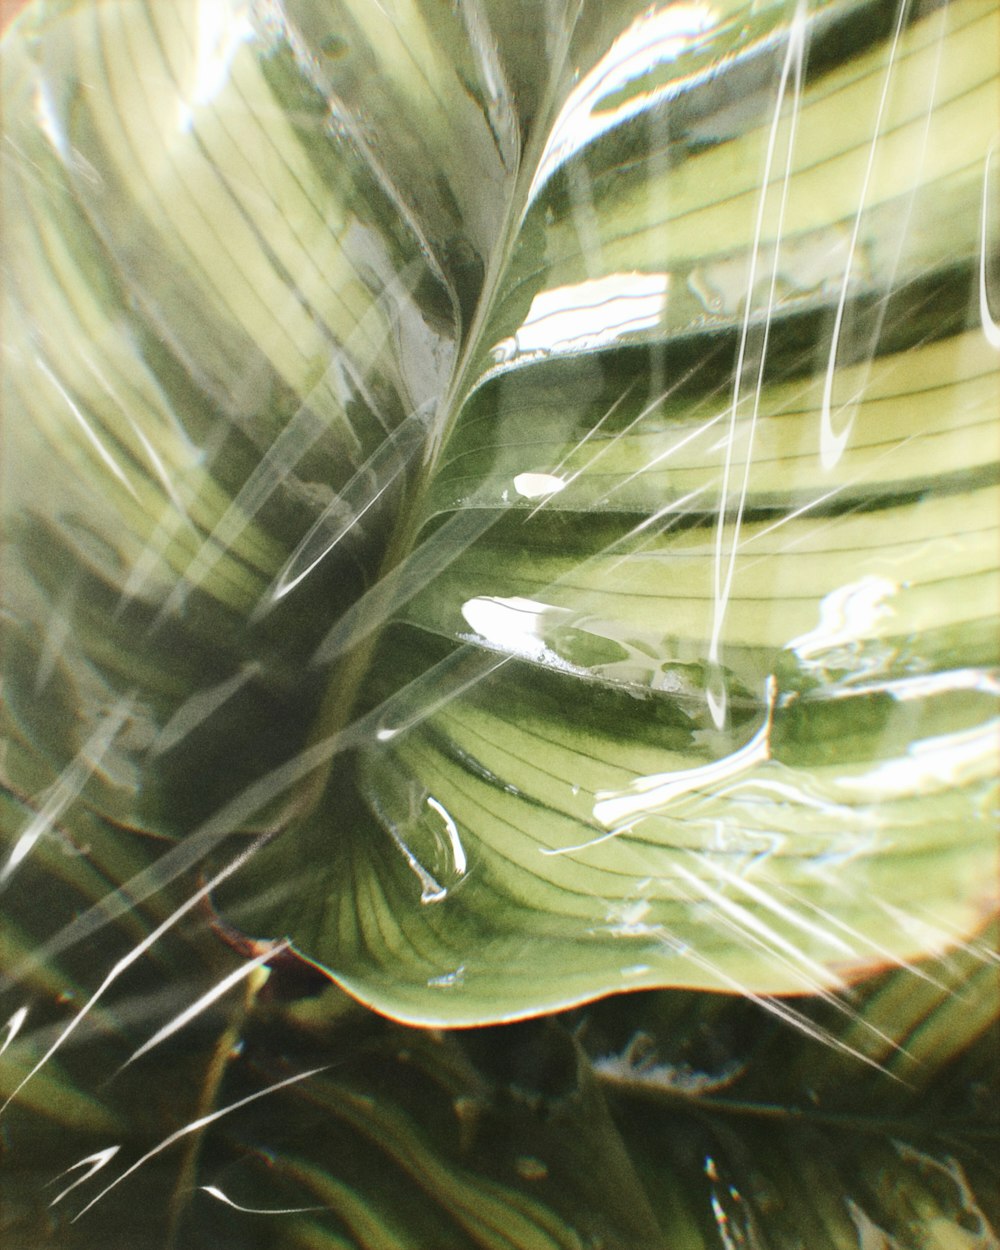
(194, 1127)
(217, 1193)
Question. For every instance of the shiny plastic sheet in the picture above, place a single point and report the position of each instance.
(500, 509)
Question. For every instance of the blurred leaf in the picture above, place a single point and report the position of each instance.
(700, 1131)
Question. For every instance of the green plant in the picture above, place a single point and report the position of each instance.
(501, 497)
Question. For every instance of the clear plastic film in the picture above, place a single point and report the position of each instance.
(500, 510)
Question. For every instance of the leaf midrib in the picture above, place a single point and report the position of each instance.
(348, 673)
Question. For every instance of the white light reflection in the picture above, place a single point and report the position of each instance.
(214, 1192)
(436, 688)
(189, 1013)
(638, 1066)
(89, 432)
(93, 1163)
(451, 829)
(654, 792)
(933, 764)
(514, 624)
(415, 703)
(929, 685)
(846, 615)
(586, 315)
(127, 961)
(538, 485)
(47, 117)
(729, 1242)
(592, 432)
(122, 405)
(656, 462)
(751, 927)
(792, 68)
(416, 823)
(67, 786)
(655, 38)
(767, 899)
(776, 1006)
(931, 935)
(431, 890)
(404, 582)
(198, 1124)
(13, 1027)
(628, 919)
(991, 328)
(448, 980)
(366, 487)
(57, 633)
(831, 442)
(221, 29)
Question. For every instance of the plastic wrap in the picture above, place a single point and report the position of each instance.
(499, 510)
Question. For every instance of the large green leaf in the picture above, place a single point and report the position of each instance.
(567, 515)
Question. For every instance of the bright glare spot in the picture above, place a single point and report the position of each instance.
(652, 793)
(93, 1164)
(220, 31)
(846, 614)
(214, 1192)
(513, 624)
(431, 890)
(930, 684)
(933, 764)
(588, 314)
(538, 485)
(655, 38)
(451, 829)
(22, 848)
(447, 979)
(13, 1026)
(67, 787)
(48, 121)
